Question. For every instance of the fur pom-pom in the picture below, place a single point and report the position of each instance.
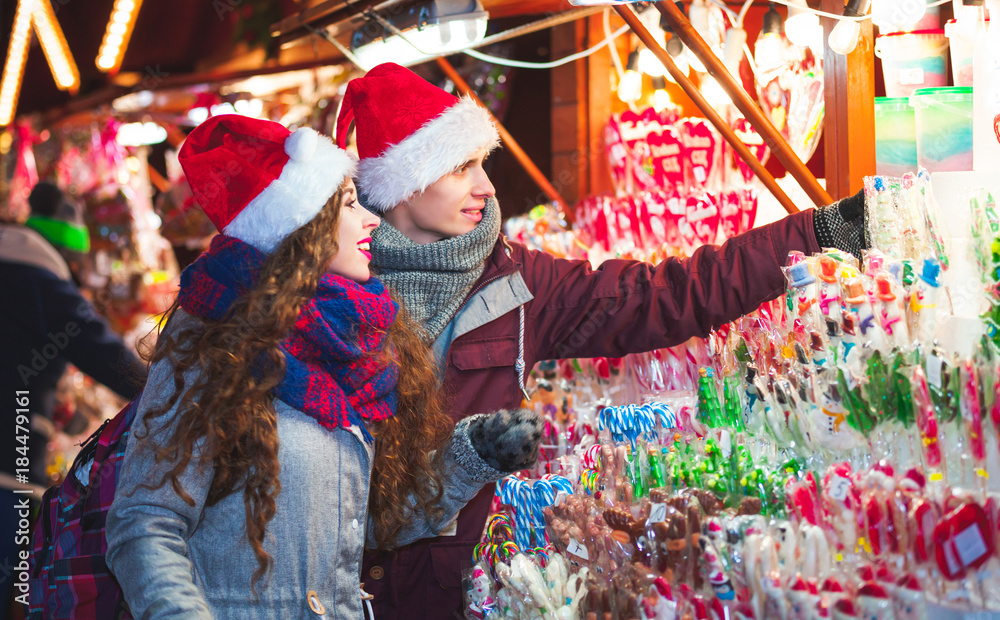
(301, 145)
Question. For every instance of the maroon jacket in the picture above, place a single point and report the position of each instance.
(622, 307)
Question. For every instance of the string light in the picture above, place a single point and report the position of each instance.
(661, 98)
(769, 47)
(802, 26)
(844, 37)
(630, 86)
(117, 35)
(54, 46)
(17, 55)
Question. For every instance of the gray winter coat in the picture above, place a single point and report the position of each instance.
(192, 562)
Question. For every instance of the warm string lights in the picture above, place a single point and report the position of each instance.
(17, 55)
(117, 35)
(61, 63)
(54, 46)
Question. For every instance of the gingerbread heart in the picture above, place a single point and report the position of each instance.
(702, 145)
(754, 143)
(702, 217)
(669, 158)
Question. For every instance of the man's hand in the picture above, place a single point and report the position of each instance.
(842, 225)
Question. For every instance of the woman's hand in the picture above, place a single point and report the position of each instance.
(507, 440)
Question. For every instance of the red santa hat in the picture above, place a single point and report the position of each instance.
(410, 133)
(259, 182)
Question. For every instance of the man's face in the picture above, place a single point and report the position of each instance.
(451, 206)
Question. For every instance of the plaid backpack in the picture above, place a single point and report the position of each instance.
(69, 577)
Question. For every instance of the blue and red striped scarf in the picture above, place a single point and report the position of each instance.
(332, 373)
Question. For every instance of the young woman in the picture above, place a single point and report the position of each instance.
(288, 393)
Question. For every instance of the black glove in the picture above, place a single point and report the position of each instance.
(843, 225)
(507, 440)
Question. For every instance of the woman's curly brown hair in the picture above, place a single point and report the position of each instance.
(231, 407)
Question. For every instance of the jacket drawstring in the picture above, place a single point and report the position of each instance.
(367, 598)
(519, 364)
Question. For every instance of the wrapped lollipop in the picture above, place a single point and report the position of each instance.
(909, 601)
(923, 302)
(890, 313)
(804, 291)
(830, 297)
(972, 416)
(482, 603)
(864, 320)
(926, 419)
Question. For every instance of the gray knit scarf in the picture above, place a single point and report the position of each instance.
(433, 279)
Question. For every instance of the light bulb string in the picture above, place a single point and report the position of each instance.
(507, 62)
(520, 64)
(846, 18)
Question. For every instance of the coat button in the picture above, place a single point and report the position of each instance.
(376, 572)
(314, 603)
(354, 524)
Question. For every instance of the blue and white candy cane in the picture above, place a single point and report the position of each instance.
(664, 414)
(544, 495)
(561, 483)
(514, 493)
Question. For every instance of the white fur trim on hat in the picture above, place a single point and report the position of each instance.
(439, 147)
(315, 170)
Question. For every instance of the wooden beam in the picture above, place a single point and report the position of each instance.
(508, 140)
(713, 117)
(600, 94)
(849, 122)
(717, 69)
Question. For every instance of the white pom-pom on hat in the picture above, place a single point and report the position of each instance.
(301, 145)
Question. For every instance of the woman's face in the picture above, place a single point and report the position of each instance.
(354, 236)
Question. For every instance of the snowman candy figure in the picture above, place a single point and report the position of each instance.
(829, 296)
(923, 301)
(864, 324)
(889, 312)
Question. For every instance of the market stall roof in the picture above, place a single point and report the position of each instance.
(174, 39)
(171, 37)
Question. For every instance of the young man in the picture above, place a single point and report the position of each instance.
(493, 308)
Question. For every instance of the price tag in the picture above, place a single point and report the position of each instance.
(839, 488)
(934, 370)
(657, 513)
(575, 548)
(852, 383)
(912, 75)
(725, 444)
(970, 545)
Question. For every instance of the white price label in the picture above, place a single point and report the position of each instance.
(911, 75)
(970, 545)
(852, 383)
(657, 513)
(839, 488)
(934, 370)
(575, 548)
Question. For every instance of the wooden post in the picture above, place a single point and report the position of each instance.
(778, 145)
(713, 117)
(849, 124)
(515, 148)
